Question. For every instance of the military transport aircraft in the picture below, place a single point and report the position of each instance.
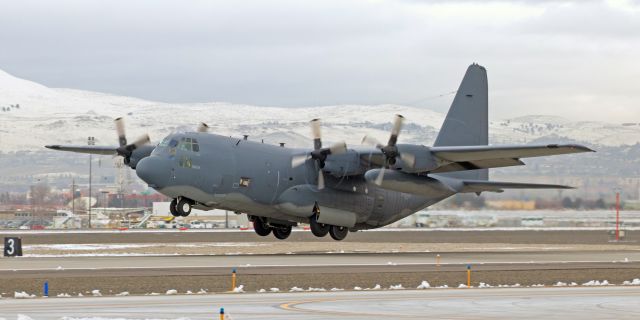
(334, 189)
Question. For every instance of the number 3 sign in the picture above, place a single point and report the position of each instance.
(12, 247)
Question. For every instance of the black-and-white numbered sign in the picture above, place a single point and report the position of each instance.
(12, 247)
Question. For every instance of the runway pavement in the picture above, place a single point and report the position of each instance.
(293, 261)
(385, 235)
(493, 303)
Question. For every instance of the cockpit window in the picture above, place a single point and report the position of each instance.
(165, 142)
(189, 144)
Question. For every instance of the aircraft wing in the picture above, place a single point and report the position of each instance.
(84, 149)
(477, 186)
(484, 157)
(483, 153)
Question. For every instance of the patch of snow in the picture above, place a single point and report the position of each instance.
(239, 289)
(274, 289)
(23, 317)
(202, 291)
(262, 291)
(153, 294)
(444, 286)
(296, 289)
(462, 286)
(63, 295)
(484, 285)
(537, 285)
(23, 295)
(189, 292)
(336, 289)
(396, 287)
(560, 284)
(634, 282)
(377, 287)
(96, 293)
(310, 289)
(596, 283)
(171, 292)
(122, 294)
(80, 294)
(357, 288)
(424, 285)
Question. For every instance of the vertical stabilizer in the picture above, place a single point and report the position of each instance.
(467, 122)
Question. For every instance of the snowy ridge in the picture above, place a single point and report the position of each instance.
(67, 116)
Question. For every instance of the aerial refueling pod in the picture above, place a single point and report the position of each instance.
(300, 201)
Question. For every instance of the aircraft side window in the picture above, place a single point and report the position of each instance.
(185, 162)
(195, 147)
(245, 182)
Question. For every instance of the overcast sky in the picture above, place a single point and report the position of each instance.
(577, 59)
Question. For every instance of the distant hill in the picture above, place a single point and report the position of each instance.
(32, 115)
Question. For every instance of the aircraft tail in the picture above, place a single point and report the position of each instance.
(467, 122)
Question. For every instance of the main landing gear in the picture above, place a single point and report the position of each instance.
(320, 229)
(181, 207)
(262, 228)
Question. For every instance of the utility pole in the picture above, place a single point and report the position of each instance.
(90, 141)
(73, 196)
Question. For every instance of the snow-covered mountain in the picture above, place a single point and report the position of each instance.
(32, 115)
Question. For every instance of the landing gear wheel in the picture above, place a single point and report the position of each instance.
(338, 233)
(173, 209)
(184, 207)
(282, 232)
(260, 227)
(318, 229)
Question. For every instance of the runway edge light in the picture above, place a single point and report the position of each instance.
(233, 279)
(221, 313)
(468, 276)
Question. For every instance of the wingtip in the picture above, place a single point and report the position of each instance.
(52, 146)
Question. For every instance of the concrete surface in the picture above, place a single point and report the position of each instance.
(515, 303)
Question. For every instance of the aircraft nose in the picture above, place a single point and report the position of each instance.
(150, 170)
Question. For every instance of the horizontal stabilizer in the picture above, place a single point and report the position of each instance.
(476, 153)
(477, 186)
(85, 149)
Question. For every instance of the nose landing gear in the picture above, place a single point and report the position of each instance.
(181, 207)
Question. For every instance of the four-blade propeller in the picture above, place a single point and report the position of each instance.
(126, 150)
(390, 150)
(319, 154)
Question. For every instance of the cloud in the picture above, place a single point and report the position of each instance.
(569, 58)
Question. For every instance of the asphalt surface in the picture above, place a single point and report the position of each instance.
(514, 236)
(297, 262)
(494, 303)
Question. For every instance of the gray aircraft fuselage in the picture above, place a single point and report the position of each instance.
(257, 179)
